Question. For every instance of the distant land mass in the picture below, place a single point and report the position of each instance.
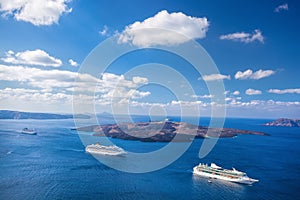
(9, 114)
(284, 122)
(162, 131)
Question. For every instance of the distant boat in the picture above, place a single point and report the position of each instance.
(29, 131)
(214, 171)
(105, 150)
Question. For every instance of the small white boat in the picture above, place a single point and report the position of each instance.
(214, 171)
(29, 131)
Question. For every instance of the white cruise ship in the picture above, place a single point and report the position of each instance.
(214, 171)
(104, 150)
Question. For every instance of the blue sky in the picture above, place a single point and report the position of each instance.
(254, 44)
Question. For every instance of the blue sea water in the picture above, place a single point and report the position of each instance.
(54, 165)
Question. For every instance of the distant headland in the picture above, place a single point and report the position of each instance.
(162, 131)
(9, 114)
(284, 122)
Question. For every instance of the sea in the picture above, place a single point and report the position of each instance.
(54, 165)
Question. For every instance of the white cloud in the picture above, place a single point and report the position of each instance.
(73, 63)
(215, 77)
(265, 105)
(262, 74)
(37, 12)
(261, 104)
(252, 92)
(236, 92)
(38, 87)
(281, 8)
(35, 57)
(248, 74)
(108, 87)
(251, 108)
(206, 96)
(49, 79)
(140, 80)
(104, 31)
(186, 103)
(122, 94)
(111, 81)
(30, 95)
(285, 91)
(243, 75)
(117, 88)
(244, 37)
(170, 25)
(263, 108)
(44, 79)
(10, 52)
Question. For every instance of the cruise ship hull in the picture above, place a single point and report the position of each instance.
(242, 180)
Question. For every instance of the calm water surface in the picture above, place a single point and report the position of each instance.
(54, 165)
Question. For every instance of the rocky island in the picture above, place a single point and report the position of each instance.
(162, 131)
(284, 122)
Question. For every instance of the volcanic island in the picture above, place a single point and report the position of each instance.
(163, 131)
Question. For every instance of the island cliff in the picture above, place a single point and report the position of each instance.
(162, 131)
(284, 122)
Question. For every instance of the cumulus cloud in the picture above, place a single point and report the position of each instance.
(206, 96)
(252, 92)
(244, 37)
(43, 79)
(65, 79)
(249, 74)
(236, 93)
(119, 89)
(267, 107)
(30, 95)
(121, 93)
(243, 75)
(103, 90)
(111, 81)
(35, 57)
(262, 104)
(37, 12)
(285, 91)
(215, 77)
(73, 63)
(164, 29)
(262, 74)
(283, 7)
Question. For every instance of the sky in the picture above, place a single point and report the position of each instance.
(46, 48)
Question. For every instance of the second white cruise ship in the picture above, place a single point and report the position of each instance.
(105, 150)
(214, 171)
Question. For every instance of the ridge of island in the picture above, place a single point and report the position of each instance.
(162, 131)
